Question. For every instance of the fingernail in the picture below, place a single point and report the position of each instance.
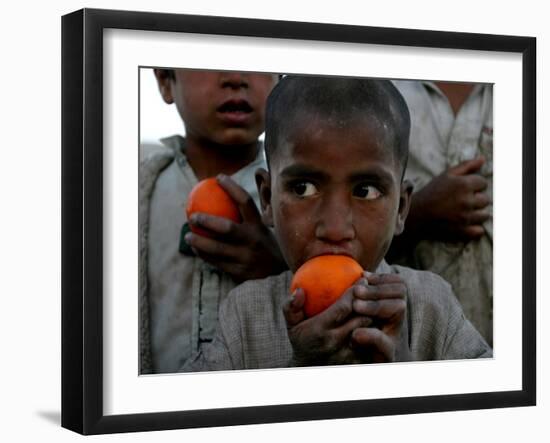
(221, 177)
(188, 237)
(293, 296)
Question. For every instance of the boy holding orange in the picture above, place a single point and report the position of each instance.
(184, 275)
(337, 151)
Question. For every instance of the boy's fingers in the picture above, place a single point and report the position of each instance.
(216, 250)
(473, 231)
(338, 339)
(351, 325)
(379, 279)
(476, 182)
(381, 286)
(374, 339)
(245, 202)
(480, 200)
(478, 217)
(381, 292)
(293, 308)
(393, 308)
(468, 166)
(218, 225)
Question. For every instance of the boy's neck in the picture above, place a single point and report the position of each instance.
(456, 93)
(211, 159)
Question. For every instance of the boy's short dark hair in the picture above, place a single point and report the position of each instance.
(345, 98)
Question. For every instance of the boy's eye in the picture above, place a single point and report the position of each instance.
(304, 189)
(366, 191)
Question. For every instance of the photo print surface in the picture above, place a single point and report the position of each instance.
(298, 220)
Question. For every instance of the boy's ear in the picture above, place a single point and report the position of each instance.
(404, 206)
(263, 182)
(165, 80)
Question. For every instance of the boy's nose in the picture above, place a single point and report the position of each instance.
(335, 222)
(233, 80)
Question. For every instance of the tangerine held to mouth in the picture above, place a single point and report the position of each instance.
(324, 279)
(209, 197)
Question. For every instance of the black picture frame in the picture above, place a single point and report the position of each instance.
(82, 220)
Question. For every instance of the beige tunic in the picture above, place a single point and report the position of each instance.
(252, 331)
(438, 141)
(180, 293)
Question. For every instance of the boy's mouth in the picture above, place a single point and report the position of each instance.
(235, 106)
(235, 112)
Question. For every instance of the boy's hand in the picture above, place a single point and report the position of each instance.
(326, 337)
(246, 250)
(452, 206)
(384, 301)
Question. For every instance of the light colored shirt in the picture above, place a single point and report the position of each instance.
(252, 332)
(184, 292)
(439, 140)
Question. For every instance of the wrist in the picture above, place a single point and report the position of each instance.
(298, 361)
(295, 362)
(420, 215)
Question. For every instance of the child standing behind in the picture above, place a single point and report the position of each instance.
(450, 225)
(184, 276)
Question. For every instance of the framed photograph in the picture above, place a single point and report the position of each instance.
(110, 381)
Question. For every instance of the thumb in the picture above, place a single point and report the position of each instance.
(293, 308)
(468, 166)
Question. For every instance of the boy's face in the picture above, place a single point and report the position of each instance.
(334, 189)
(227, 108)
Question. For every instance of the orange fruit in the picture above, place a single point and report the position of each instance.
(209, 197)
(324, 279)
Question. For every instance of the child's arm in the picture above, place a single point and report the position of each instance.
(246, 250)
(326, 337)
